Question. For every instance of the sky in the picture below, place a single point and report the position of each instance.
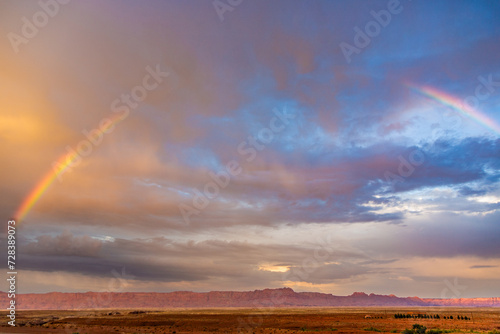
(329, 146)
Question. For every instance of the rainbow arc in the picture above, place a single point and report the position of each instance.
(458, 105)
(63, 163)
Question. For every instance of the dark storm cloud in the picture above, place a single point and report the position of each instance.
(454, 163)
(166, 260)
(455, 235)
(65, 243)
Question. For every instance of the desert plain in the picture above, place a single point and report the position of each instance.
(351, 320)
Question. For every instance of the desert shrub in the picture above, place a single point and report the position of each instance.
(372, 329)
(439, 331)
(417, 329)
(435, 331)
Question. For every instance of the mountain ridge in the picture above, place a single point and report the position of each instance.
(281, 297)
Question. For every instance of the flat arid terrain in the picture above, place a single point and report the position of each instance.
(258, 321)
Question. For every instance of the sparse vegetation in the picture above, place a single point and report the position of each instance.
(439, 331)
(420, 329)
(258, 321)
(372, 329)
(417, 329)
(427, 316)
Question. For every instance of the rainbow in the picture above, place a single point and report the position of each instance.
(63, 163)
(458, 105)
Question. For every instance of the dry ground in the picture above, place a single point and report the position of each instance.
(259, 321)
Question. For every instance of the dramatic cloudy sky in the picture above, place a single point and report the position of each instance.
(359, 162)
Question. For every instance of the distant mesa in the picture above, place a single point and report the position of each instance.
(283, 297)
(359, 294)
